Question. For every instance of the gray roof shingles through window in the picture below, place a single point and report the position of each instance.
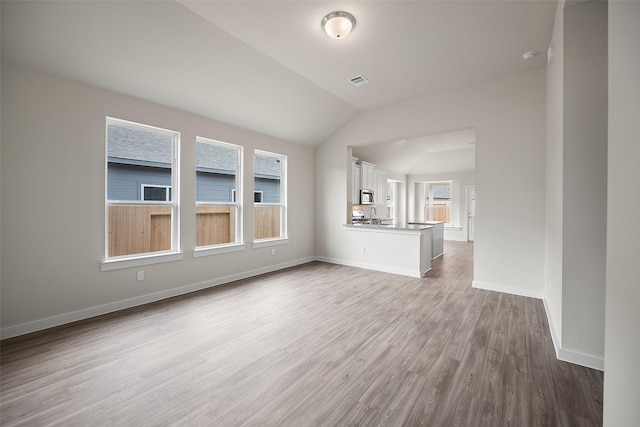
(140, 145)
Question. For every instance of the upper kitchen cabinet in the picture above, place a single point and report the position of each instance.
(379, 187)
(355, 181)
(365, 176)
(367, 170)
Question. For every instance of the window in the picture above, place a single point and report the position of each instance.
(438, 202)
(270, 207)
(141, 196)
(218, 192)
(156, 192)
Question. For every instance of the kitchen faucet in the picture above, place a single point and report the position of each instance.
(371, 212)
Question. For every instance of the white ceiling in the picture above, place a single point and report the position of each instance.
(266, 65)
(430, 154)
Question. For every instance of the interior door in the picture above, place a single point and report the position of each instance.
(471, 211)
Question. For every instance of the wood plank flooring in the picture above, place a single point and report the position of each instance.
(314, 345)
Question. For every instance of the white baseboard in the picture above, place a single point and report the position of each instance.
(557, 343)
(570, 356)
(455, 239)
(507, 289)
(581, 359)
(366, 266)
(61, 319)
(563, 354)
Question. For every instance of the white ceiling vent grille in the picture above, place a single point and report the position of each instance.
(359, 80)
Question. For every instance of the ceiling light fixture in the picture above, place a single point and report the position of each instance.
(528, 56)
(338, 25)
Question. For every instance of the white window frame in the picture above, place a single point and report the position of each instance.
(430, 199)
(284, 236)
(236, 202)
(146, 258)
(167, 193)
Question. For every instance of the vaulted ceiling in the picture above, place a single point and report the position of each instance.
(266, 65)
(428, 154)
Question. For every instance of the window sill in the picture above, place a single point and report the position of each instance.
(158, 258)
(270, 242)
(214, 250)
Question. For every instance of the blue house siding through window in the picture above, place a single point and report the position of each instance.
(270, 189)
(214, 187)
(125, 183)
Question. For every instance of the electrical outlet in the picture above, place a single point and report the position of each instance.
(140, 276)
(273, 251)
(362, 250)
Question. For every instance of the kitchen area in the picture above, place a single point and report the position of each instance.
(377, 228)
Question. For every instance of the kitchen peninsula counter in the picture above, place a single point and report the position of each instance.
(399, 248)
(391, 227)
(437, 236)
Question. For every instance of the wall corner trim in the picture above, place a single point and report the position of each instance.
(570, 356)
(552, 327)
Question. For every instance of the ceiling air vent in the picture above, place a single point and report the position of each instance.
(359, 80)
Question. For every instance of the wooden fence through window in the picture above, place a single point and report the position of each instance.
(136, 229)
(267, 222)
(139, 229)
(441, 211)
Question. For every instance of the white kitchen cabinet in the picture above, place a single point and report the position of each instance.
(355, 181)
(380, 187)
(365, 176)
(399, 250)
(367, 172)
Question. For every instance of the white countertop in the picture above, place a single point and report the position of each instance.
(390, 227)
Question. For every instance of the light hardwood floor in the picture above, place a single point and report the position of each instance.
(318, 344)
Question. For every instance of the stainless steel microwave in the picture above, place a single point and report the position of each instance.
(366, 197)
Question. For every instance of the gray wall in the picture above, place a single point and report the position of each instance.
(554, 177)
(509, 117)
(577, 182)
(622, 343)
(585, 177)
(53, 242)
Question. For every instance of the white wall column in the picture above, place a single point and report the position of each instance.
(622, 343)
